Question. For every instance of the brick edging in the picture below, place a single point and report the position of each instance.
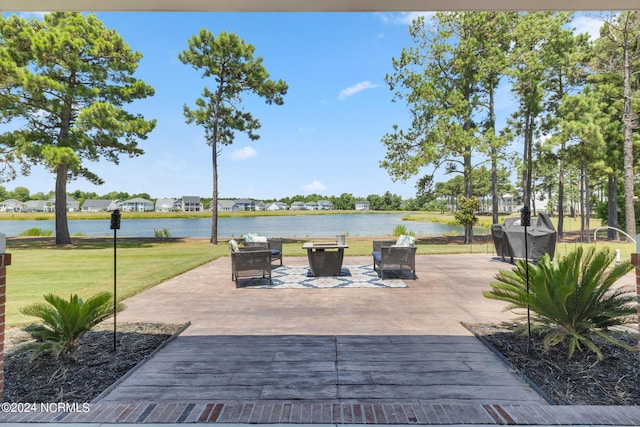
(292, 412)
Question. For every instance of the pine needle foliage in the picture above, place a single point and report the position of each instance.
(572, 300)
(64, 322)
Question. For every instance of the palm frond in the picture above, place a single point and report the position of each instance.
(64, 322)
(573, 299)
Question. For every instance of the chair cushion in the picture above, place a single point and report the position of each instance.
(233, 246)
(377, 255)
(404, 240)
(254, 238)
(275, 252)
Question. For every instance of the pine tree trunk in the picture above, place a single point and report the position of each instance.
(468, 193)
(587, 192)
(561, 195)
(627, 121)
(62, 227)
(214, 199)
(612, 205)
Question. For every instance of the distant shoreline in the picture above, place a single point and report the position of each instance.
(17, 216)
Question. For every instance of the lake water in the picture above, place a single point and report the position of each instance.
(302, 226)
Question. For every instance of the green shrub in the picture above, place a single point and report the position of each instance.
(35, 231)
(161, 233)
(572, 301)
(401, 229)
(64, 322)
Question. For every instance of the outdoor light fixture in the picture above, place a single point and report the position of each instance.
(525, 221)
(115, 225)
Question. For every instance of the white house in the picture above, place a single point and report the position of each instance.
(508, 203)
(39, 206)
(277, 206)
(98, 205)
(191, 204)
(137, 204)
(325, 205)
(362, 205)
(72, 204)
(11, 205)
(298, 206)
(165, 205)
(225, 205)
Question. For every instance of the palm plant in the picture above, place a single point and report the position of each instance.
(401, 229)
(572, 300)
(64, 322)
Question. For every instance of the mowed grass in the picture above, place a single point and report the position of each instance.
(87, 268)
(39, 268)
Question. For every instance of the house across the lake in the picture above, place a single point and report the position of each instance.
(166, 205)
(137, 204)
(12, 205)
(362, 205)
(100, 205)
(191, 204)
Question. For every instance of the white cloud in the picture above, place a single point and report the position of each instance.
(352, 90)
(588, 23)
(315, 186)
(243, 153)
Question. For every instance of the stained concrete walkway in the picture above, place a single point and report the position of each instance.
(376, 356)
(325, 345)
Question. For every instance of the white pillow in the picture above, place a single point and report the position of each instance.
(254, 238)
(233, 246)
(404, 240)
(249, 237)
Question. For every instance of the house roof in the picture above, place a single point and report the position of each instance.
(11, 202)
(138, 200)
(69, 199)
(36, 203)
(97, 204)
(226, 203)
(190, 199)
(165, 202)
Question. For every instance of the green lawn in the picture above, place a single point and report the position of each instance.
(39, 268)
(87, 268)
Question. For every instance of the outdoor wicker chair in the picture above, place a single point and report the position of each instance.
(387, 256)
(249, 262)
(272, 244)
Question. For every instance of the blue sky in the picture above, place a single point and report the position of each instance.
(325, 139)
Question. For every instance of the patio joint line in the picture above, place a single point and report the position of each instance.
(336, 366)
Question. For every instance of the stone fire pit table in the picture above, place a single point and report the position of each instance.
(325, 259)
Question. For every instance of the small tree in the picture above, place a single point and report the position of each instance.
(466, 214)
(230, 61)
(68, 77)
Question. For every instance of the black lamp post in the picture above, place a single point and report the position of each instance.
(115, 226)
(525, 221)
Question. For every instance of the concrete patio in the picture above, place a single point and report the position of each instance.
(376, 356)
